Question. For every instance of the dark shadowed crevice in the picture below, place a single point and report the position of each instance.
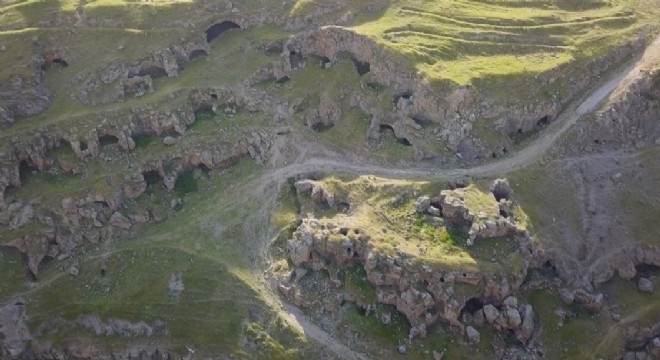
(204, 168)
(471, 306)
(83, 146)
(405, 95)
(106, 140)
(102, 203)
(362, 67)
(152, 177)
(501, 190)
(54, 62)
(220, 28)
(324, 61)
(389, 128)
(543, 121)
(196, 54)
(646, 270)
(9, 192)
(153, 71)
(549, 270)
(296, 59)
(25, 170)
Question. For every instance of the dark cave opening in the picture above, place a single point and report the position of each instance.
(405, 95)
(543, 121)
(196, 54)
(501, 191)
(102, 203)
(362, 67)
(390, 129)
(646, 270)
(108, 139)
(324, 62)
(10, 191)
(548, 270)
(153, 71)
(296, 59)
(25, 170)
(83, 146)
(471, 306)
(205, 169)
(218, 29)
(152, 177)
(54, 61)
(60, 61)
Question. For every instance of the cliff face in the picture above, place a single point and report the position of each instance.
(421, 288)
(456, 111)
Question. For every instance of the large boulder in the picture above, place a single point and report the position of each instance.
(526, 329)
(472, 335)
(645, 285)
(422, 204)
(120, 221)
(13, 328)
(300, 248)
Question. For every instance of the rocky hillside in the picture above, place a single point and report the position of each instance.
(253, 179)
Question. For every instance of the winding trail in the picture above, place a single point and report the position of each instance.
(614, 86)
(527, 156)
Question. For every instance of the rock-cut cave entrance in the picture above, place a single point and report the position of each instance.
(9, 192)
(218, 29)
(472, 306)
(106, 140)
(25, 171)
(152, 177)
(390, 129)
(362, 67)
(153, 71)
(196, 54)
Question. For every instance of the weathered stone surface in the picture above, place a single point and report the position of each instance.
(491, 313)
(645, 285)
(472, 335)
(422, 204)
(13, 327)
(526, 329)
(119, 220)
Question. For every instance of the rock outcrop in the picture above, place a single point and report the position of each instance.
(13, 327)
(423, 295)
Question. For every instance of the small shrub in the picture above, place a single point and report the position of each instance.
(185, 184)
(142, 141)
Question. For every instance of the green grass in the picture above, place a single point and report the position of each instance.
(460, 41)
(206, 243)
(639, 210)
(356, 284)
(384, 210)
(385, 336)
(185, 183)
(14, 271)
(582, 335)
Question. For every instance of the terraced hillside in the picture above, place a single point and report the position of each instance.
(310, 179)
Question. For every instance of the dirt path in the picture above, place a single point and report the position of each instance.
(527, 156)
(296, 319)
(616, 84)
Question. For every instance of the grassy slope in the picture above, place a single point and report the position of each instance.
(205, 242)
(461, 41)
